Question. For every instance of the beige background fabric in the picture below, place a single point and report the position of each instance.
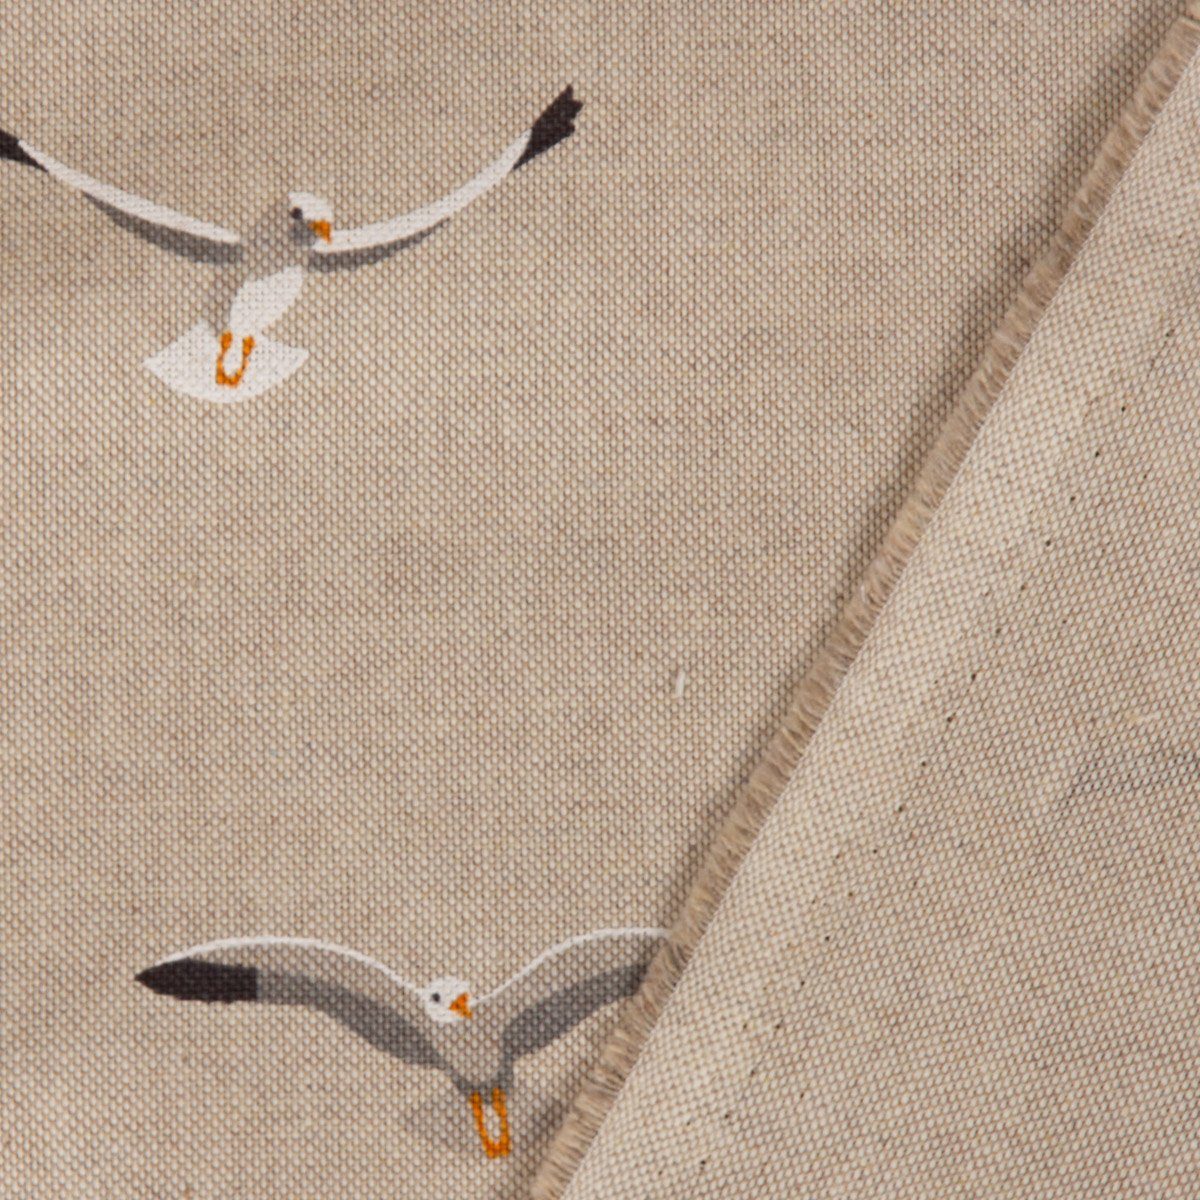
(961, 958)
(390, 655)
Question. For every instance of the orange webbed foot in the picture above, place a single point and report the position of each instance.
(224, 378)
(501, 1146)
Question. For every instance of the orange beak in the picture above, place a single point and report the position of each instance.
(323, 230)
(462, 1006)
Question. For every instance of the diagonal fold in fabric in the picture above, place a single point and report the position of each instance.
(951, 952)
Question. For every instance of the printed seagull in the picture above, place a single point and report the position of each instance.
(261, 275)
(474, 1039)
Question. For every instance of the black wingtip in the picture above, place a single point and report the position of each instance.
(191, 979)
(553, 126)
(10, 147)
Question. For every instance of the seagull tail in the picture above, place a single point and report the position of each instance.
(204, 367)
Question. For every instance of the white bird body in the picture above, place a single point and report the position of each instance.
(260, 302)
(228, 357)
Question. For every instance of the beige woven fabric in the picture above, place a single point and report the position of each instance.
(461, 641)
(960, 959)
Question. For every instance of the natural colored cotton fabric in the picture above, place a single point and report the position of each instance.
(960, 957)
(461, 641)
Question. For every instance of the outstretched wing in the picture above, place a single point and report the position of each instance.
(555, 124)
(164, 226)
(354, 990)
(569, 982)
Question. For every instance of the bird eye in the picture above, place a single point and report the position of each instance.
(436, 998)
(296, 214)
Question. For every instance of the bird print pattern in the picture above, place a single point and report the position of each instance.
(227, 355)
(474, 1040)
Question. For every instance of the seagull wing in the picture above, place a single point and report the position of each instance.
(567, 983)
(555, 124)
(354, 990)
(164, 226)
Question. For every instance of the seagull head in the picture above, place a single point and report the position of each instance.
(447, 1001)
(312, 214)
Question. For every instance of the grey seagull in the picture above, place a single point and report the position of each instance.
(444, 1025)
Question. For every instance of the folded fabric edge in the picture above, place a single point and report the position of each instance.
(823, 678)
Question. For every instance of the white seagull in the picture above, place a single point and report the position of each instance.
(473, 1039)
(227, 357)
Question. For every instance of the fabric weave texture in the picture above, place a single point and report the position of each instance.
(463, 640)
